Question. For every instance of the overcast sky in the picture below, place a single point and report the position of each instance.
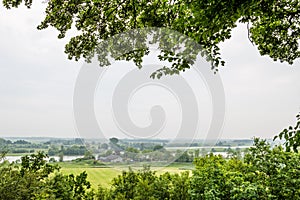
(37, 82)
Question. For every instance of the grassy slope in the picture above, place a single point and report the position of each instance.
(96, 176)
(104, 175)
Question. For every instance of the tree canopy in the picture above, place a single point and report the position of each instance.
(273, 26)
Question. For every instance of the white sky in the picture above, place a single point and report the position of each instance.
(37, 82)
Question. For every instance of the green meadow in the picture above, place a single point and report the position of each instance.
(96, 176)
(103, 175)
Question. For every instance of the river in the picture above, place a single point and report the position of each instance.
(66, 158)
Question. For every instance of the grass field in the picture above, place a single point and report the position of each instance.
(97, 176)
(103, 175)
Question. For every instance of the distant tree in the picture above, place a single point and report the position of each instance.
(74, 150)
(52, 160)
(184, 157)
(108, 152)
(2, 141)
(61, 157)
(220, 143)
(132, 150)
(157, 147)
(89, 155)
(47, 143)
(62, 148)
(114, 140)
(53, 150)
(21, 142)
(9, 142)
(79, 141)
(104, 146)
(3, 153)
(142, 146)
(197, 153)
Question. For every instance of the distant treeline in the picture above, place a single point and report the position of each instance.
(52, 147)
(69, 151)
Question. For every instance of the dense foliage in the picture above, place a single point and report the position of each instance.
(263, 173)
(273, 26)
(34, 178)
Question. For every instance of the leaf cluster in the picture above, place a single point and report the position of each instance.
(291, 135)
(273, 26)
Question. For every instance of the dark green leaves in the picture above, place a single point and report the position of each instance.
(291, 136)
(276, 30)
(275, 25)
(16, 3)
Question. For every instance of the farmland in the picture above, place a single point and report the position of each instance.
(103, 175)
